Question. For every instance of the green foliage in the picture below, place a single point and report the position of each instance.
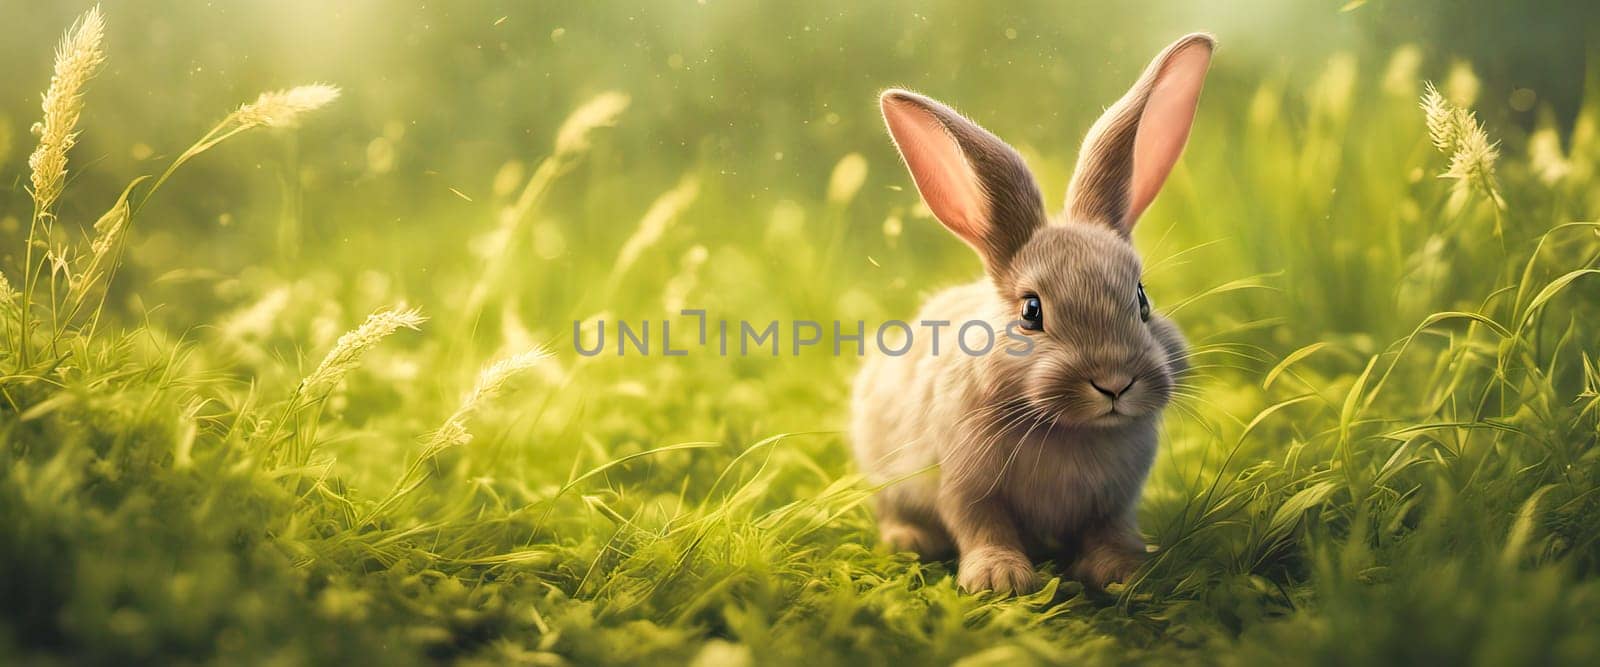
(1386, 452)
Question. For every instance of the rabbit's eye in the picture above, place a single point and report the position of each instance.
(1032, 313)
(1144, 304)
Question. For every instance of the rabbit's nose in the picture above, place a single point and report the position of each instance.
(1112, 385)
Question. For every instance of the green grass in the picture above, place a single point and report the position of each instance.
(1387, 451)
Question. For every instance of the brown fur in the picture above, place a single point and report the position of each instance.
(1001, 457)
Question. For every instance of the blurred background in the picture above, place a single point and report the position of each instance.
(758, 101)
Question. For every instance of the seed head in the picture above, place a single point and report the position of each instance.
(491, 381)
(1443, 118)
(8, 293)
(1456, 132)
(602, 111)
(77, 59)
(657, 220)
(348, 349)
(1474, 158)
(283, 108)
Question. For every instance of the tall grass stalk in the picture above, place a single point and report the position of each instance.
(454, 432)
(281, 109)
(303, 411)
(77, 60)
(573, 140)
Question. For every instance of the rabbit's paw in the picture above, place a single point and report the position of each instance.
(997, 569)
(1101, 566)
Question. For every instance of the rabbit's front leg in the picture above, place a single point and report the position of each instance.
(992, 557)
(1111, 552)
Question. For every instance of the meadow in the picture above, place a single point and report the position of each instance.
(288, 371)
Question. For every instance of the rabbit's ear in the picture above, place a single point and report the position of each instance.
(1134, 145)
(972, 181)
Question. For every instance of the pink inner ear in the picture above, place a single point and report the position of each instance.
(1164, 125)
(946, 180)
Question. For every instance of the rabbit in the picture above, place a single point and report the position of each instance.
(1039, 449)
